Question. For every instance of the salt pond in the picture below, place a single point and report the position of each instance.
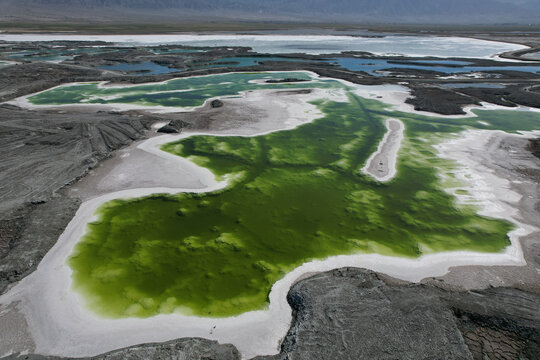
(292, 196)
(151, 68)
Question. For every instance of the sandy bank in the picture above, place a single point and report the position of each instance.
(497, 165)
(381, 165)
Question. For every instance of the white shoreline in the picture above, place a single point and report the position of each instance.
(5, 63)
(387, 152)
(490, 193)
(387, 45)
(60, 325)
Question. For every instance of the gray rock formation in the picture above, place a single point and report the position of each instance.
(216, 103)
(23, 79)
(28, 233)
(42, 151)
(174, 126)
(534, 147)
(356, 314)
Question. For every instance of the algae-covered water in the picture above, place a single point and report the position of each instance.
(182, 92)
(297, 195)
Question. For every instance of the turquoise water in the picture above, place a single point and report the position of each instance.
(373, 66)
(176, 51)
(146, 68)
(476, 85)
(153, 68)
(440, 61)
(167, 93)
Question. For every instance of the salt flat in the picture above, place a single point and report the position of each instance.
(417, 46)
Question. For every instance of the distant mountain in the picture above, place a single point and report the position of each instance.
(347, 11)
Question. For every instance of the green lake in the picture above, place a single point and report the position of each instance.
(297, 195)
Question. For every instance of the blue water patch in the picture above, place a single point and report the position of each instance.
(243, 61)
(373, 66)
(439, 61)
(151, 68)
(176, 51)
(143, 68)
(476, 85)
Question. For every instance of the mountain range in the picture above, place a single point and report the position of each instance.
(331, 11)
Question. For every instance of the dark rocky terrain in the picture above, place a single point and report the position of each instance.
(442, 101)
(356, 314)
(534, 147)
(21, 79)
(43, 152)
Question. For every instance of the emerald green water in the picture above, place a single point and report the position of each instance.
(182, 92)
(297, 195)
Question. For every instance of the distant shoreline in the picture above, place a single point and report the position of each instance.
(257, 27)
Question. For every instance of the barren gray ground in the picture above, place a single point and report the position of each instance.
(509, 158)
(41, 153)
(356, 314)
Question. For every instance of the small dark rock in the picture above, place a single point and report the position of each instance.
(168, 129)
(216, 103)
(173, 127)
(534, 147)
(286, 80)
